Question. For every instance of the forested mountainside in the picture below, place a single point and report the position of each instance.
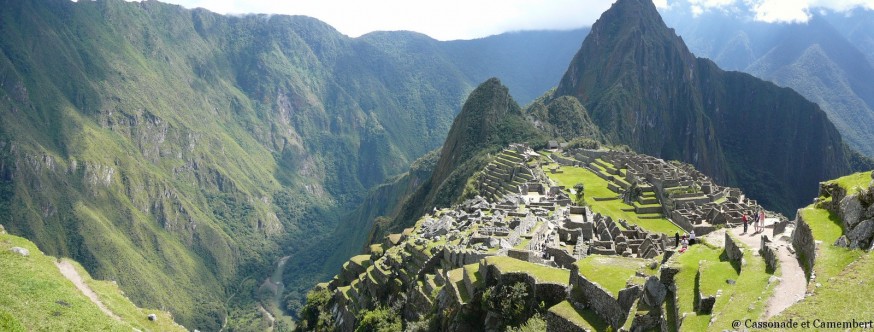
(182, 152)
(643, 88)
(828, 59)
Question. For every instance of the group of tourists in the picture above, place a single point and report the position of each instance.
(686, 240)
(757, 219)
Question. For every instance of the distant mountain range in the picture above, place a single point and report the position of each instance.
(182, 153)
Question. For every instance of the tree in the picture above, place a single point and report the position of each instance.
(580, 189)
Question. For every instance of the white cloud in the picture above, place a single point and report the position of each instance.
(447, 19)
(465, 19)
(773, 11)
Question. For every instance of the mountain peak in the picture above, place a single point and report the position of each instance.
(631, 34)
(644, 88)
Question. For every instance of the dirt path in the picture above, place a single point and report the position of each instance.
(792, 285)
(70, 273)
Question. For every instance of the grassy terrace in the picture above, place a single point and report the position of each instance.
(586, 319)
(743, 300)
(456, 277)
(853, 183)
(612, 272)
(597, 187)
(843, 274)
(540, 272)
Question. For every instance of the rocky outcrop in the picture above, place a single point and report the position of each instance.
(857, 216)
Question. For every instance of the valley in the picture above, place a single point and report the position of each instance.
(222, 168)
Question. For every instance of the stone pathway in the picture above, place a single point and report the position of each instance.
(70, 273)
(793, 283)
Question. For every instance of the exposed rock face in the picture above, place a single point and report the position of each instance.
(861, 235)
(851, 211)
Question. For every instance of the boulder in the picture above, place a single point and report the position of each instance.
(842, 242)
(153, 317)
(654, 292)
(868, 214)
(860, 236)
(21, 251)
(851, 211)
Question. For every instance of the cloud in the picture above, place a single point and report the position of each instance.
(465, 19)
(774, 11)
(444, 20)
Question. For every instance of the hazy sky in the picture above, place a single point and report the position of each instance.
(466, 19)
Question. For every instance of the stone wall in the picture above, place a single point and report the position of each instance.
(769, 254)
(557, 323)
(561, 257)
(734, 253)
(597, 299)
(804, 244)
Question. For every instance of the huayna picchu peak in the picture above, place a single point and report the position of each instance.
(221, 168)
(645, 89)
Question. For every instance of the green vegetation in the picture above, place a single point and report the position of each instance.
(612, 272)
(35, 296)
(316, 315)
(827, 227)
(853, 183)
(843, 296)
(596, 187)
(743, 300)
(509, 301)
(534, 324)
(540, 272)
(382, 319)
(584, 318)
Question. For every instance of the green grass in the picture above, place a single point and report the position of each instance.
(611, 272)
(586, 319)
(597, 187)
(472, 271)
(35, 296)
(845, 297)
(853, 183)
(827, 227)
(685, 282)
(362, 260)
(540, 272)
(456, 277)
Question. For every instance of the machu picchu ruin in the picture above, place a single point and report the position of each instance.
(580, 234)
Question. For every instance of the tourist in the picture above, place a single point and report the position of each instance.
(676, 239)
(761, 220)
(692, 238)
(685, 244)
(746, 223)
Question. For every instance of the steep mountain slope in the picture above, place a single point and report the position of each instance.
(489, 120)
(644, 88)
(503, 55)
(33, 288)
(180, 152)
(823, 59)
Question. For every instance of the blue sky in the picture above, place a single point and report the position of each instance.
(467, 19)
